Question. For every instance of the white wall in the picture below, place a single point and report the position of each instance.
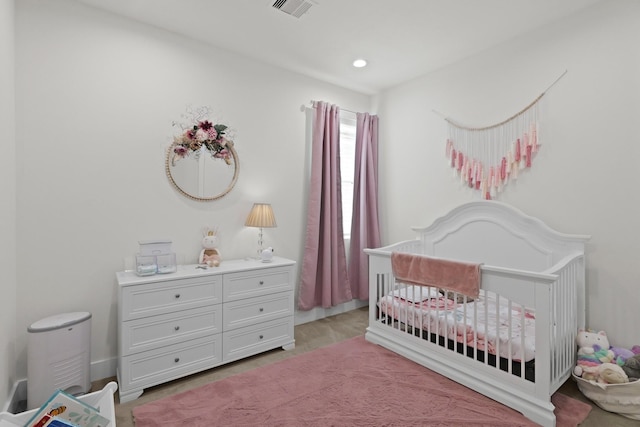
(96, 96)
(583, 180)
(8, 205)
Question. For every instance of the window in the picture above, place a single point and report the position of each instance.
(347, 165)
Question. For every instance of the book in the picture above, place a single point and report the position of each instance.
(59, 422)
(40, 422)
(62, 406)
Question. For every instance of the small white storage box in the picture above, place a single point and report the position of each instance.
(101, 399)
(155, 247)
(58, 356)
(146, 265)
(155, 256)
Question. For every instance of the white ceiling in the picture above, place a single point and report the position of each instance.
(401, 39)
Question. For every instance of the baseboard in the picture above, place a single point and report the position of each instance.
(318, 313)
(99, 370)
(105, 368)
(17, 398)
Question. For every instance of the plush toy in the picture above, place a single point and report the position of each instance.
(632, 367)
(210, 255)
(621, 354)
(611, 373)
(593, 351)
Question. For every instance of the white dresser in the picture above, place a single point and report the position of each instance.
(185, 322)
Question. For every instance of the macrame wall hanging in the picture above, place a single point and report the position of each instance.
(486, 158)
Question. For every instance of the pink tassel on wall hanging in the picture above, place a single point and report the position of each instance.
(491, 178)
(465, 164)
(486, 158)
(503, 169)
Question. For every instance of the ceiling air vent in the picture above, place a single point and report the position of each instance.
(295, 8)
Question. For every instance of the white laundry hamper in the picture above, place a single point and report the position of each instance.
(58, 356)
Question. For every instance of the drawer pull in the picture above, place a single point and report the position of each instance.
(177, 359)
(177, 296)
(261, 309)
(262, 282)
(177, 328)
(261, 336)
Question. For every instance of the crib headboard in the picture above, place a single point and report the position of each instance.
(497, 234)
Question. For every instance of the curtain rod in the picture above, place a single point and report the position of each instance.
(302, 107)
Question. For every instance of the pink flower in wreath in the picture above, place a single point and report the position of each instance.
(205, 125)
(225, 155)
(202, 135)
(212, 133)
(181, 150)
(222, 154)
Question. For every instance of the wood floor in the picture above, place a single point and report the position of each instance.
(309, 337)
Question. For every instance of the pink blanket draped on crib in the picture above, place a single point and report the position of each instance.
(456, 276)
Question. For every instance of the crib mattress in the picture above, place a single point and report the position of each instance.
(489, 323)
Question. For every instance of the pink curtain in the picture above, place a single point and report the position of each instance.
(324, 277)
(365, 227)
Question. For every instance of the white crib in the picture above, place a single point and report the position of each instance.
(528, 271)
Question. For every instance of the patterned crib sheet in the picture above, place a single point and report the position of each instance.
(489, 322)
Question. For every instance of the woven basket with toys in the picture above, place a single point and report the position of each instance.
(608, 375)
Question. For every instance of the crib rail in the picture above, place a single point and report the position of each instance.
(464, 342)
(468, 329)
(568, 315)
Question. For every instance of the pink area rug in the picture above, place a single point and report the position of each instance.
(351, 383)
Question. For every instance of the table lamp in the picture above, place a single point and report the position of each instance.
(261, 216)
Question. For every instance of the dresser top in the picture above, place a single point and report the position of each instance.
(127, 278)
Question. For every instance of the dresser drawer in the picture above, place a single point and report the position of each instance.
(167, 363)
(257, 310)
(253, 283)
(157, 331)
(178, 324)
(154, 298)
(254, 339)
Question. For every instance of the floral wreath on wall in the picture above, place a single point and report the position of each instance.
(200, 132)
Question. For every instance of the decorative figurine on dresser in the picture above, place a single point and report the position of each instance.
(210, 255)
(174, 325)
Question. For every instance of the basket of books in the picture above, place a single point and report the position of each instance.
(94, 409)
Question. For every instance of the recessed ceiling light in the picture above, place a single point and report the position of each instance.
(359, 63)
